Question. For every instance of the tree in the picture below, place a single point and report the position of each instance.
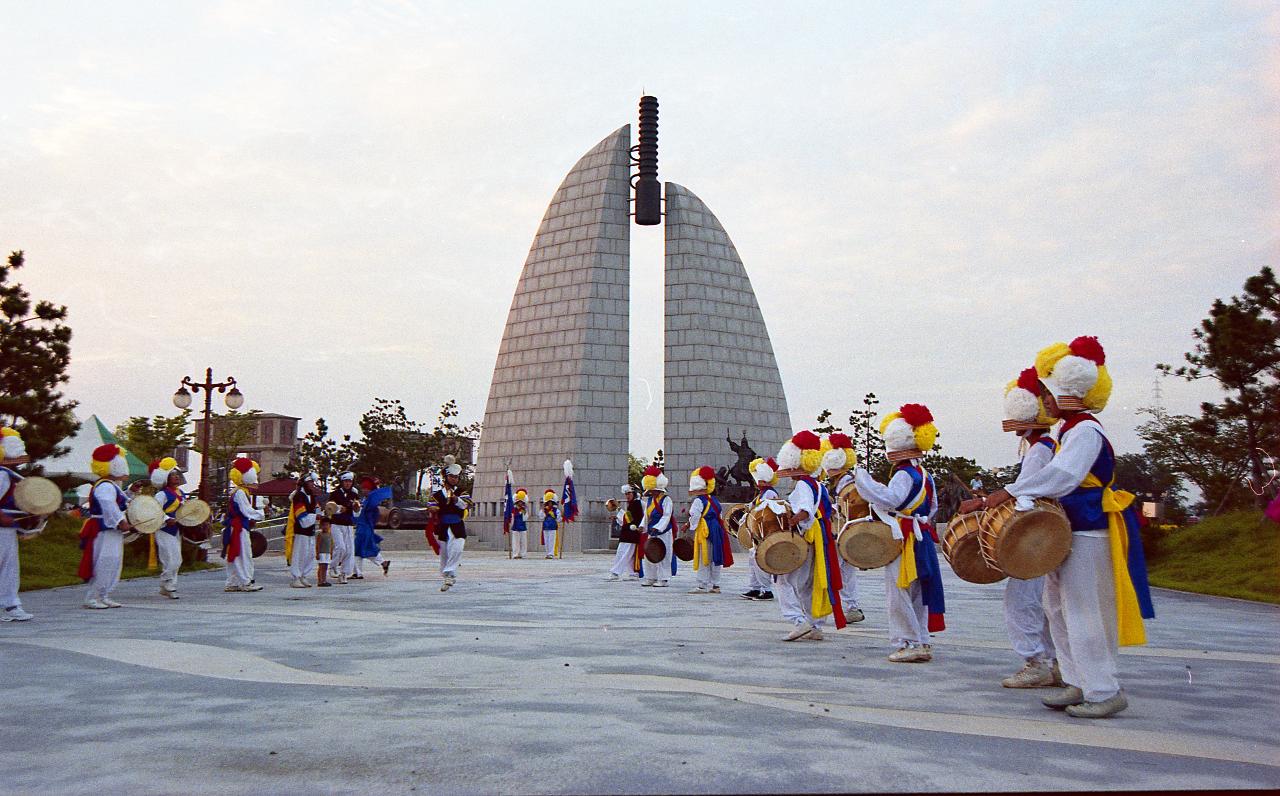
(389, 446)
(825, 426)
(635, 469)
(1238, 346)
(1150, 481)
(321, 453)
(1207, 451)
(865, 433)
(35, 350)
(154, 438)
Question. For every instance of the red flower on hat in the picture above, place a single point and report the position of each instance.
(706, 473)
(1029, 380)
(773, 463)
(105, 453)
(1089, 348)
(151, 468)
(916, 414)
(839, 440)
(653, 470)
(806, 441)
(243, 465)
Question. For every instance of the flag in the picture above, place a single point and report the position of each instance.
(509, 508)
(568, 499)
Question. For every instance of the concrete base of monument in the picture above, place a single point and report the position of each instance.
(537, 676)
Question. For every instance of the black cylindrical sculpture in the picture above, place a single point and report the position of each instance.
(648, 189)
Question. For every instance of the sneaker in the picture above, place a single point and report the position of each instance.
(661, 584)
(235, 588)
(550, 556)
(323, 584)
(110, 603)
(386, 568)
(766, 596)
(252, 587)
(1033, 674)
(1063, 698)
(357, 577)
(800, 632)
(814, 635)
(927, 650)
(14, 613)
(166, 593)
(612, 576)
(448, 584)
(647, 582)
(854, 614)
(342, 579)
(298, 583)
(699, 590)
(754, 594)
(1099, 710)
(95, 603)
(715, 590)
(909, 655)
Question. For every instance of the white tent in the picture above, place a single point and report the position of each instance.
(75, 462)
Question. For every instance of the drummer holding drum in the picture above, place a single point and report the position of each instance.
(102, 537)
(167, 478)
(838, 460)
(12, 452)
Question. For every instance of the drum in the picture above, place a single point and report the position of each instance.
(257, 543)
(193, 512)
(737, 525)
(867, 544)
(769, 517)
(611, 506)
(655, 550)
(683, 548)
(1025, 544)
(778, 549)
(963, 551)
(145, 514)
(30, 526)
(331, 508)
(195, 534)
(38, 496)
(852, 506)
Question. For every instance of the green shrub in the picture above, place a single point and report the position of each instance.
(1234, 555)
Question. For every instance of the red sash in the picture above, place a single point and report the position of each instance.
(233, 550)
(88, 532)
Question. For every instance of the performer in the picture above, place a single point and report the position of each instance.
(167, 478)
(1097, 598)
(550, 522)
(765, 473)
(912, 581)
(838, 460)
(1024, 617)
(303, 514)
(658, 510)
(344, 550)
(451, 530)
(240, 519)
(810, 593)
(519, 525)
(630, 516)
(367, 540)
(711, 550)
(102, 536)
(13, 452)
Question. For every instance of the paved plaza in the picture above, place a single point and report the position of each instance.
(538, 676)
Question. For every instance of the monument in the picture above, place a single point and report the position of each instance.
(561, 380)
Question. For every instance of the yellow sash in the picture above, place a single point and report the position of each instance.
(288, 534)
(820, 602)
(1128, 614)
(907, 572)
(701, 540)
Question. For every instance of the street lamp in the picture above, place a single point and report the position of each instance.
(182, 400)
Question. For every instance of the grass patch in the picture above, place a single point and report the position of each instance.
(1235, 555)
(51, 559)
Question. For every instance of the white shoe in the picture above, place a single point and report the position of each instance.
(648, 582)
(1033, 674)
(446, 585)
(612, 577)
(166, 593)
(699, 590)
(95, 603)
(661, 583)
(814, 635)
(251, 587)
(110, 603)
(15, 614)
(298, 583)
(800, 632)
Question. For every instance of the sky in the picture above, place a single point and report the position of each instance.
(333, 201)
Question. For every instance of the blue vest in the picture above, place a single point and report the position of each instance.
(95, 507)
(1084, 505)
(919, 480)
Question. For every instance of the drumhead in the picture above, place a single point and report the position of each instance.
(1035, 542)
(780, 553)
(258, 543)
(36, 495)
(193, 511)
(868, 545)
(683, 548)
(145, 514)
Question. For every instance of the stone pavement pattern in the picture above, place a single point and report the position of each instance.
(537, 676)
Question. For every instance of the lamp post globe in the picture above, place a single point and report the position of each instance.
(182, 398)
(235, 399)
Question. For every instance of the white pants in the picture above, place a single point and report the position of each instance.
(451, 554)
(708, 576)
(1025, 621)
(794, 591)
(519, 543)
(908, 616)
(169, 553)
(108, 558)
(757, 578)
(240, 571)
(849, 588)
(661, 571)
(1080, 602)
(302, 559)
(623, 558)
(357, 561)
(9, 569)
(344, 548)
(549, 541)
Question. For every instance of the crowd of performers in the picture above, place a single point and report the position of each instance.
(1066, 626)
